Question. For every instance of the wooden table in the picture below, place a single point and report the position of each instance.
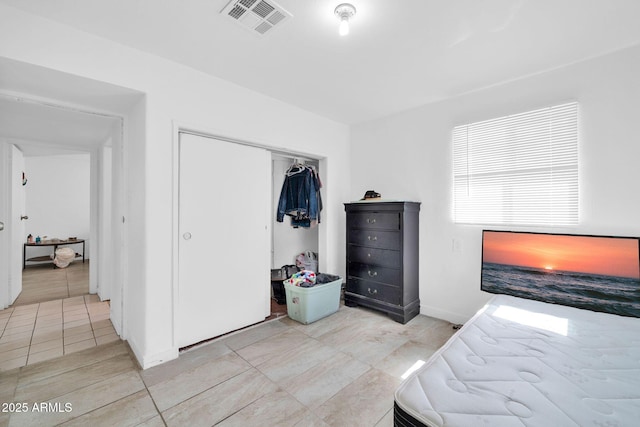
(55, 245)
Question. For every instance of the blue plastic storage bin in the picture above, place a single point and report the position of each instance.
(306, 305)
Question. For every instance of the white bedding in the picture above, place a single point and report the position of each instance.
(563, 367)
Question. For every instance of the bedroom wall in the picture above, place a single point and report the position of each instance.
(176, 95)
(57, 198)
(408, 156)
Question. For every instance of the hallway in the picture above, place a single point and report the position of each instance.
(54, 315)
(41, 282)
(42, 331)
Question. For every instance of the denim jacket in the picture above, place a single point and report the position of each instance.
(300, 198)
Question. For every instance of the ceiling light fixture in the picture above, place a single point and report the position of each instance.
(344, 12)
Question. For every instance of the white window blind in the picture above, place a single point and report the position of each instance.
(518, 169)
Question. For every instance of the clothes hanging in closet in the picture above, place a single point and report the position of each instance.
(300, 196)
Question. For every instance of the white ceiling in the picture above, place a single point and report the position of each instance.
(400, 53)
(40, 127)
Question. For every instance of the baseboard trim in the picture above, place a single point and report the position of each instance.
(438, 313)
(149, 361)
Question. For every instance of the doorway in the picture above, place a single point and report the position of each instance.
(57, 205)
(287, 242)
(68, 151)
(58, 311)
(69, 110)
(64, 186)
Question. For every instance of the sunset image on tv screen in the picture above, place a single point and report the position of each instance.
(593, 272)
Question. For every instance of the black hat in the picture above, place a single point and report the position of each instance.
(371, 195)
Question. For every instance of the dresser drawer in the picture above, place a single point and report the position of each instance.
(374, 272)
(374, 220)
(371, 256)
(373, 290)
(375, 238)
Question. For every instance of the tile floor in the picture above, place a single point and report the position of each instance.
(36, 332)
(41, 282)
(339, 371)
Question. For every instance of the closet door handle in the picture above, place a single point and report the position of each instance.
(186, 236)
(372, 239)
(372, 273)
(372, 292)
(371, 221)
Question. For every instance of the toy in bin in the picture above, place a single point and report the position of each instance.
(304, 278)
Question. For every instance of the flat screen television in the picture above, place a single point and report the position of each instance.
(598, 273)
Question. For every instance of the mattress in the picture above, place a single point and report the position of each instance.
(521, 362)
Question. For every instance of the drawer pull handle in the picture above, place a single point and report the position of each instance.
(375, 291)
(371, 221)
(372, 274)
(368, 255)
(373, 239)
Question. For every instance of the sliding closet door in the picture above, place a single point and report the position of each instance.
(224, 247)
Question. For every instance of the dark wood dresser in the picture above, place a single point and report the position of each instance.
(382, 257)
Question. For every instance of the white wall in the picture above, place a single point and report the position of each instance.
(57, 198)
(104, 161)
(175, 95)
(412, 160)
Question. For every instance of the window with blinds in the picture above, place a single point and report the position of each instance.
(519, 169)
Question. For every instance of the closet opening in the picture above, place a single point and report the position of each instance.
(290, 243)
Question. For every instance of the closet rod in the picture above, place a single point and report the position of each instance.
(294, 156)
(301, 160)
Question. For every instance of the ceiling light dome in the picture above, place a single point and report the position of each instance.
(345, 12)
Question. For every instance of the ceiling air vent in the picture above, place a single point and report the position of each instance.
(259, 16)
